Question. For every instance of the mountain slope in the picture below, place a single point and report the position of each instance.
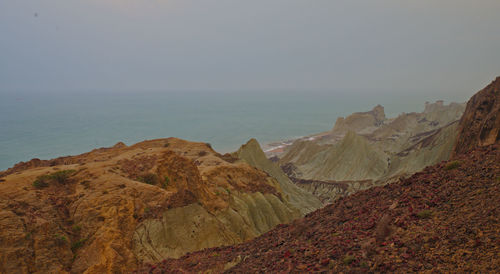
(252, 153)
(441, 219)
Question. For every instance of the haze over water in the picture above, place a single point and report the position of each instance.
(51, 124)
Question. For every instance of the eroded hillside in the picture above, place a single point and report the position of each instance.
(367, 149)
(110, 209)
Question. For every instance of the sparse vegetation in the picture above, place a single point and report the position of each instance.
(424, 214)
(61, 177)
(76, 228)
(76, 245)
(452, 165)
(166, 181)
(60, 239)
(41, 181)
(148, 178)
(202, 153)
(208, 145)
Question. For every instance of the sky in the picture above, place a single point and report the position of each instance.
(449, 47)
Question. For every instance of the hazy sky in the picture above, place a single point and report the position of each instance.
(406, 45)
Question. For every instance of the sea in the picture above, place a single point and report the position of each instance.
(50, 124)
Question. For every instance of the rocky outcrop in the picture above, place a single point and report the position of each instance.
(480, 124)
(252, 153)
(360, 122)
(112, 209)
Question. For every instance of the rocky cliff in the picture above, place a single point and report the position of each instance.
(112, 209)
(360, 121)
(480, 124)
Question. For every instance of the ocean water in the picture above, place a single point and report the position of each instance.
(48, 125)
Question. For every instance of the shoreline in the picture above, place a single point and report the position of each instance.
(278, 147)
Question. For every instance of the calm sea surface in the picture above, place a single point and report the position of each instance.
(49, 125)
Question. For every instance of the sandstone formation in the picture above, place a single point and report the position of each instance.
(367, 149)
(112, 209)
(360, 121)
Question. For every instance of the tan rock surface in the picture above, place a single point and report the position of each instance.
(119, 206)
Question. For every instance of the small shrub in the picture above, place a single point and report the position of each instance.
(166, 145)
(42, 181)
(76, 228)
(60, 240)
(76, 245)
(349, 259)
(166, 181)
(202, 153)
(424, 214)
(208, 145)
(452, 165)
(62, 176)
(148, 178)
(28, 236)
